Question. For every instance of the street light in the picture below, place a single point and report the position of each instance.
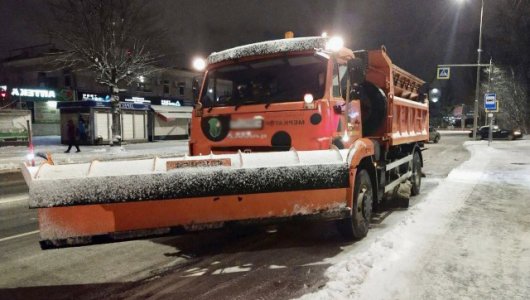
(434, 95)
(477, 87)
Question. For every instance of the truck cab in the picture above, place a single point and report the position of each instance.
(274, 101)
(296, 93)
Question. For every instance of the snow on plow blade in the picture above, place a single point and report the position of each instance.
(80, 201)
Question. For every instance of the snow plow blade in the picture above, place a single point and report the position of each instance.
(115, 200)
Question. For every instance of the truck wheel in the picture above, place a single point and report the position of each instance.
(356, 226)
(436, 139)
(416, 174)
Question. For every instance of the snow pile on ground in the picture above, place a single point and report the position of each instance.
(12, 158)
(396, 264)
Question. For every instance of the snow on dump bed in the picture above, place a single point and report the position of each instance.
(268, 47)
(140, 180)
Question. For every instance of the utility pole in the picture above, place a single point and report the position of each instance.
(489, 87)
(477, 87)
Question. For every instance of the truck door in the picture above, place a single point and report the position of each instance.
(350, 127)
(339, 103)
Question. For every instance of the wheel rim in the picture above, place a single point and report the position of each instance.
(364, 203)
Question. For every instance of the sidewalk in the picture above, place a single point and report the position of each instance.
(468, 239)
(13, 157)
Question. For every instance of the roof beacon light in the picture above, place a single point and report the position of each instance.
(199, 64)
(335, 44)
(308, 98)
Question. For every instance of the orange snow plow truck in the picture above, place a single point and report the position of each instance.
(299, 127)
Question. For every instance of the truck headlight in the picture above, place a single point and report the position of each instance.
(308, 98)
(335, 44)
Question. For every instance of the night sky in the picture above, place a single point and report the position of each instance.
(418, 34)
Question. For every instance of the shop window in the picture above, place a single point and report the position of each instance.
(52, 82)
(67, 81)
(182, 85)
(166, 87)
(67, 76)
(144, 87)
(41, 79)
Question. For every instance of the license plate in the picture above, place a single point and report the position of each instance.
(246, 124)
(177, 164)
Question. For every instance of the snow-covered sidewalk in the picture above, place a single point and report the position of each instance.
(13, 157)
(468, 239)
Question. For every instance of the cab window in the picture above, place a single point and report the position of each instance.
(339, 80)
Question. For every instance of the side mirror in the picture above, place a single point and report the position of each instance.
(357, 70)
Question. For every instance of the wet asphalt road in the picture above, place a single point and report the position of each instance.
(275, 262)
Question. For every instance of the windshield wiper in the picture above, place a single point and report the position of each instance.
(269, 102)
(238, 104)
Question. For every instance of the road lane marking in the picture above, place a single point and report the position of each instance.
(18, 235)
(15, 199)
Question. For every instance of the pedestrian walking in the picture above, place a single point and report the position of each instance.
(71, 135)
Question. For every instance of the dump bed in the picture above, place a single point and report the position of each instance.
(407, 119)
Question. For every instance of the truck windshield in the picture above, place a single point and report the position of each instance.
(278, 79)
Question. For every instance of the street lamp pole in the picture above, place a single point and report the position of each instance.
(477, 88)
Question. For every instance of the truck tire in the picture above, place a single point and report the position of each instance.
(436, 139)
(415, 179)
(356, 226)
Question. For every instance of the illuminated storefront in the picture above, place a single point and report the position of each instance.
(43, 106)
(96, 120)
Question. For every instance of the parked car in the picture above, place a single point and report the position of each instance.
(497, 133)
(434, 136)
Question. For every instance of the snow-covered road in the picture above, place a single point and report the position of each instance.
(465, 236)
(469, 239)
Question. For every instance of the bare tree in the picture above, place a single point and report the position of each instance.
(111, 38)
(508, 40)
(511, 94)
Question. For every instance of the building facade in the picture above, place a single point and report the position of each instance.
(32, 80)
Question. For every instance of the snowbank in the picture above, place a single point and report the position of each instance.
(12, 158)
(390, 267)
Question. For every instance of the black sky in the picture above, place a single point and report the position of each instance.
(418, 34)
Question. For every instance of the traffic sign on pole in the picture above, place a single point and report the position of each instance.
(490, 101)
(493, 108)
(443, 73)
